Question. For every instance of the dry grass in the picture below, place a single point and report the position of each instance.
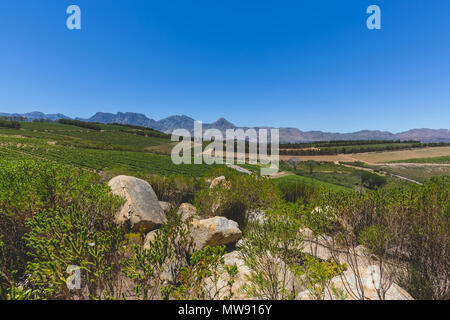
(383, 157)
(165, 149)
(329, 158)
(378, 157)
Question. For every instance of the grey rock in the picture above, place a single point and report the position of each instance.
(142, 211)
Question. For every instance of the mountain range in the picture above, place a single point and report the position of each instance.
(171, 123)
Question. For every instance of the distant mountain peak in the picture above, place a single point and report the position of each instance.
(222, 122)
(171, 123)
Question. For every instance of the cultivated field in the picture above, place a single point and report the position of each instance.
(383, 157)
(378, 157)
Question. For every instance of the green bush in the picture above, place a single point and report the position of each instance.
(269, 249)
(237, 197)
(70, 237)
(372, 180)
(168, 252)
(176, 189)
(29, 189)
(81, 124)
(205, 264)
(9, 124)
(406, 228)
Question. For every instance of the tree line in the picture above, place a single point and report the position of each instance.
(81, 124)
(9, 124)
(356, 149)
(339, 143)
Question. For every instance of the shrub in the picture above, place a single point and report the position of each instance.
(406, 228)
(295, 191)
(372, 180)
(316, 276)
(29, 187)
(68, 237)
(235, 199)
(81, 124)
(268, 249)
(9, 124)
(168, 252)
(206, 264)
(176, 189)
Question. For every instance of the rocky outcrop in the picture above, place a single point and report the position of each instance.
(214, 231)
(142, 211)
(187, 211)
(369, 280)
(149, 238)
(363, 283)
(241, 280)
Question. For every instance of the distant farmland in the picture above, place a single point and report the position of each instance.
(378, 157)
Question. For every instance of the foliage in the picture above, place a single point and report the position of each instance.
(30, 190)
(9, 124)
(350, 147)
(372, 180)
(407, 229)
(69, 237)
(330, 174)
(305, 190)
(237, 197)
(268, 249)
(176, 189)
(163, 256)
(82, 124)
(101, 160)
(206, 264)
(436, 160)
(317, 275)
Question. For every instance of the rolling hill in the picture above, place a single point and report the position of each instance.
(292, 135)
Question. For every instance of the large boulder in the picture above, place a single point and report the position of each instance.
(362, 283)
(187, 211)
(369, 278)
(142, 211)
(214, 231)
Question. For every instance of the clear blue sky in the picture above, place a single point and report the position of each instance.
(306, 64)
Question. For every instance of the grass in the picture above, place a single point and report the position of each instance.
(435, 160)
(385, 157)
(21, 146)
(419, 173)
(328, 172)
(120, 149)
(312, 182)
(110, 138)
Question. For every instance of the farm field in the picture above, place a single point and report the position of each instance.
(378, 157)
(434, 160)
(91, 150)
(110, 137)
(128, 150)
(384, 157)
(418, 173)
(301, 180)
